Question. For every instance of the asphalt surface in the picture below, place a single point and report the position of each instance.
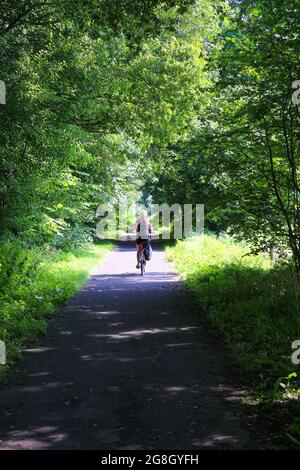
(126, 364)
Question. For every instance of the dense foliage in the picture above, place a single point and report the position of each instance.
(242, 159)
(106, 98)
(90, 87)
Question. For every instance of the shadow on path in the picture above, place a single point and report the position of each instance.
(124, 365)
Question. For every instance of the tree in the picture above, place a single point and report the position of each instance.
(90, 89)
(243, 159)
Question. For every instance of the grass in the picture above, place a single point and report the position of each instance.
(255, 309)
(33, 282)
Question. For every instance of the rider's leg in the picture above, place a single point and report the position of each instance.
(138, 251)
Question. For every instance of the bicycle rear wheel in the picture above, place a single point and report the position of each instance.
(142, 263)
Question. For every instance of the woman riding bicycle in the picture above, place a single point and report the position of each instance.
(143, 230)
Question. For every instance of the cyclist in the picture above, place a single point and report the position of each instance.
(143, 230)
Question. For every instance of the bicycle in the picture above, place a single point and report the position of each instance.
(142, 261)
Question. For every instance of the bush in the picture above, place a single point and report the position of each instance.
(254, 306)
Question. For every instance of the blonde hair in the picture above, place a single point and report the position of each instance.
(143, 214)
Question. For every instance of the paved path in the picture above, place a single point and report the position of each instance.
(125, 365)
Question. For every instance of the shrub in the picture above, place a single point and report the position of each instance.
(254, 306)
